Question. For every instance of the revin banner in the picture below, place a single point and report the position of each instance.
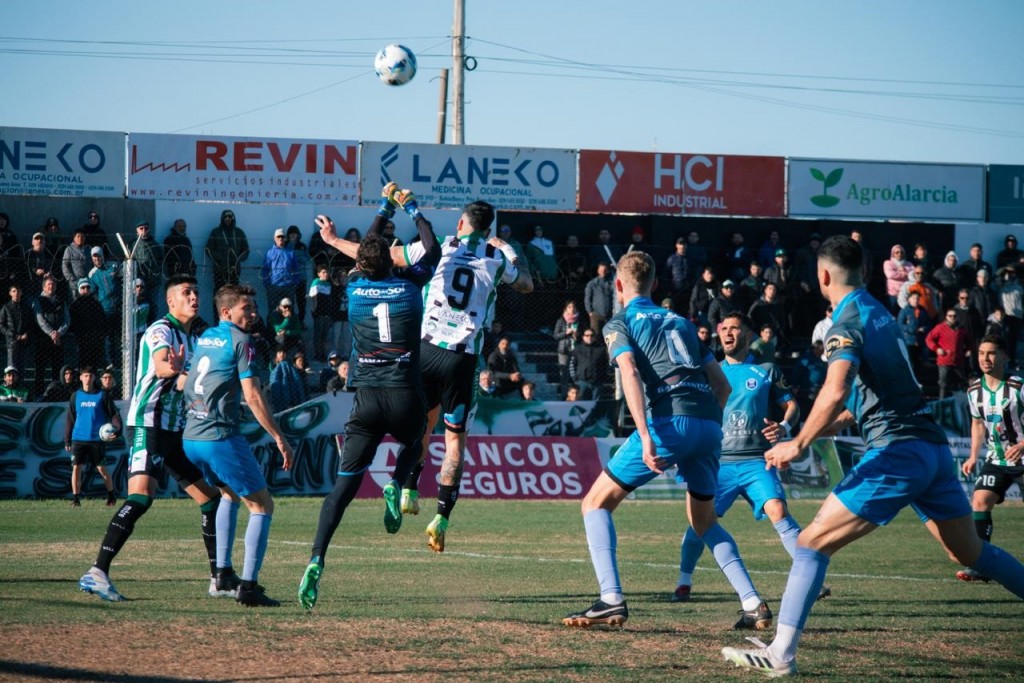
(835, 188)
(454, 175)
(235, 169)
(689, 184)
(61, 163)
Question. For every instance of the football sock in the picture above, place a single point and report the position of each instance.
(227, 525)
(805, 580)
(208, 513)
(256, 535)
(446, 498)
(120, 529)
(333, 509)
(788, 531)
(1001, 566)
(602, 541)
(412, 482)
(690, 551)
(727, 555)
(408, 461)
(983, 524)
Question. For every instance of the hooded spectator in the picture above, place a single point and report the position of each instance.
(1010, 255)
(178, 254)
(947, 278)
(897, 272)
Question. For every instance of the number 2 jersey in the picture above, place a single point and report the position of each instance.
(213, 388)
(458, 302)
(1000, 409)
(886, 399)
(385, 319)
(754, 389)
(156, 402)
(668, 356)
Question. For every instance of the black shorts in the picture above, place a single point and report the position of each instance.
(402, 413)
(153, 450)
(449, 381)
(87, 453)
(999, 479)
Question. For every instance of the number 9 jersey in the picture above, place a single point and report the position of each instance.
(458, 302)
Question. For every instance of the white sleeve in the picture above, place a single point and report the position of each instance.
(414, 252)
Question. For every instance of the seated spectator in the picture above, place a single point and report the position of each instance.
(12, 390)
(330, 370)
(16, 324)
(340, 380)
(567, 336)
(528, 391)
(572, 393)
(704, 292)
(572, 263)
(286, 385)
(763, 347)
(310, 384)
(666, 303)
(711, 342)
(996, 323)
(951, 345)
(589, 365)
(541, 252)
(287, 326)
(89, 325)
(60, 389)
(915, 323)
(486, 384)
(504, 367)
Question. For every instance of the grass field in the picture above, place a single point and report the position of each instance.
(489, 608)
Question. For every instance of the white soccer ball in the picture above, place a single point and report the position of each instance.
(395, 65)
(107, 432)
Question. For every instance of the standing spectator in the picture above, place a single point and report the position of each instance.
(982, 297)
(298, 247)
(12, 391)
(977, 262)
(16, 324)
(951, 345)
(140, 309)
(822, 327)
(967, 316)
(995, 325)
(766, 254)
(339, 382)
(704, 292)
(738, 258)
(724, 304)
(321, 253)
(808, 375)
(94, 234)
(387, 232)
(567, 334)
(767, 311)
(750, 288)
(39, 261)
(572, 263)
(505, 233)
(764, 346)
(108, 382)
(541, 252)
(947, 278)
(704, 334)
(590, 365)
(149, 261)
(52, 321)
(76, 263)
(280, 271)
(287, 327)
(60, 389)
(329, 370)
(53, 238)
(341, 334)
(104, 278)
(916, 283)
(286, 384)
(696, 252)
(782, 274)
(178, 255)
(8, 240)
(604, 250)
(921, 258)
(808, 304)
(227, 247)
(323, 316)
(1011, 255)
(681, 275)
(915, 323)
(310, 384)
(1011, 298)
(599, 297)
(89, 326)
(897, 272)
(504, 367)
(868, 269)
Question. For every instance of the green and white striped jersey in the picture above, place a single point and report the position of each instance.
(156, 402)
(1001, 409)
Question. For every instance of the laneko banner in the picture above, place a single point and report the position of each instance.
(688, 184)
(835, 188)
(236, 169)
(454, 175)
(61, 163)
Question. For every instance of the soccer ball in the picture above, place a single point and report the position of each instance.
(107, 432)
(395, 65)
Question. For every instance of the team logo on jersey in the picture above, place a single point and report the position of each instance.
(836, 343)
(737, 421)
(751, 384)
(609, 338)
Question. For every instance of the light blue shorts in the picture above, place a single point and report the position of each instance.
(915, 473)
(692, 444)
(230, 461)
(747, 478)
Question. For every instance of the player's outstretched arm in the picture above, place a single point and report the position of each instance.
(329, 234)
(258, 406)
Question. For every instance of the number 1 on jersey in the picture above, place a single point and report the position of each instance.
(380, 312)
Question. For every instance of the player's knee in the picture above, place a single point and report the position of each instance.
(775, 509)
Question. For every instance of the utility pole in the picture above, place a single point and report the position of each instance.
(442, 108)
(458, 60)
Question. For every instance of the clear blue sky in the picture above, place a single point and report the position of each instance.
(916, 80)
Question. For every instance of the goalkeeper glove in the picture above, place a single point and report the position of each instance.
(407, 200)
(386, 208)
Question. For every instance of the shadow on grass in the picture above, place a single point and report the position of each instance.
(48, 671)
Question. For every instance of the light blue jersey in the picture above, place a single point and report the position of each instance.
(213, 389)
(754, 389)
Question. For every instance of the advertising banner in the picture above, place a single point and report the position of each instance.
(235, 169)
(687, 184)
(61, 163)
(454, 175)
(1006, 194)
(834, 188)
